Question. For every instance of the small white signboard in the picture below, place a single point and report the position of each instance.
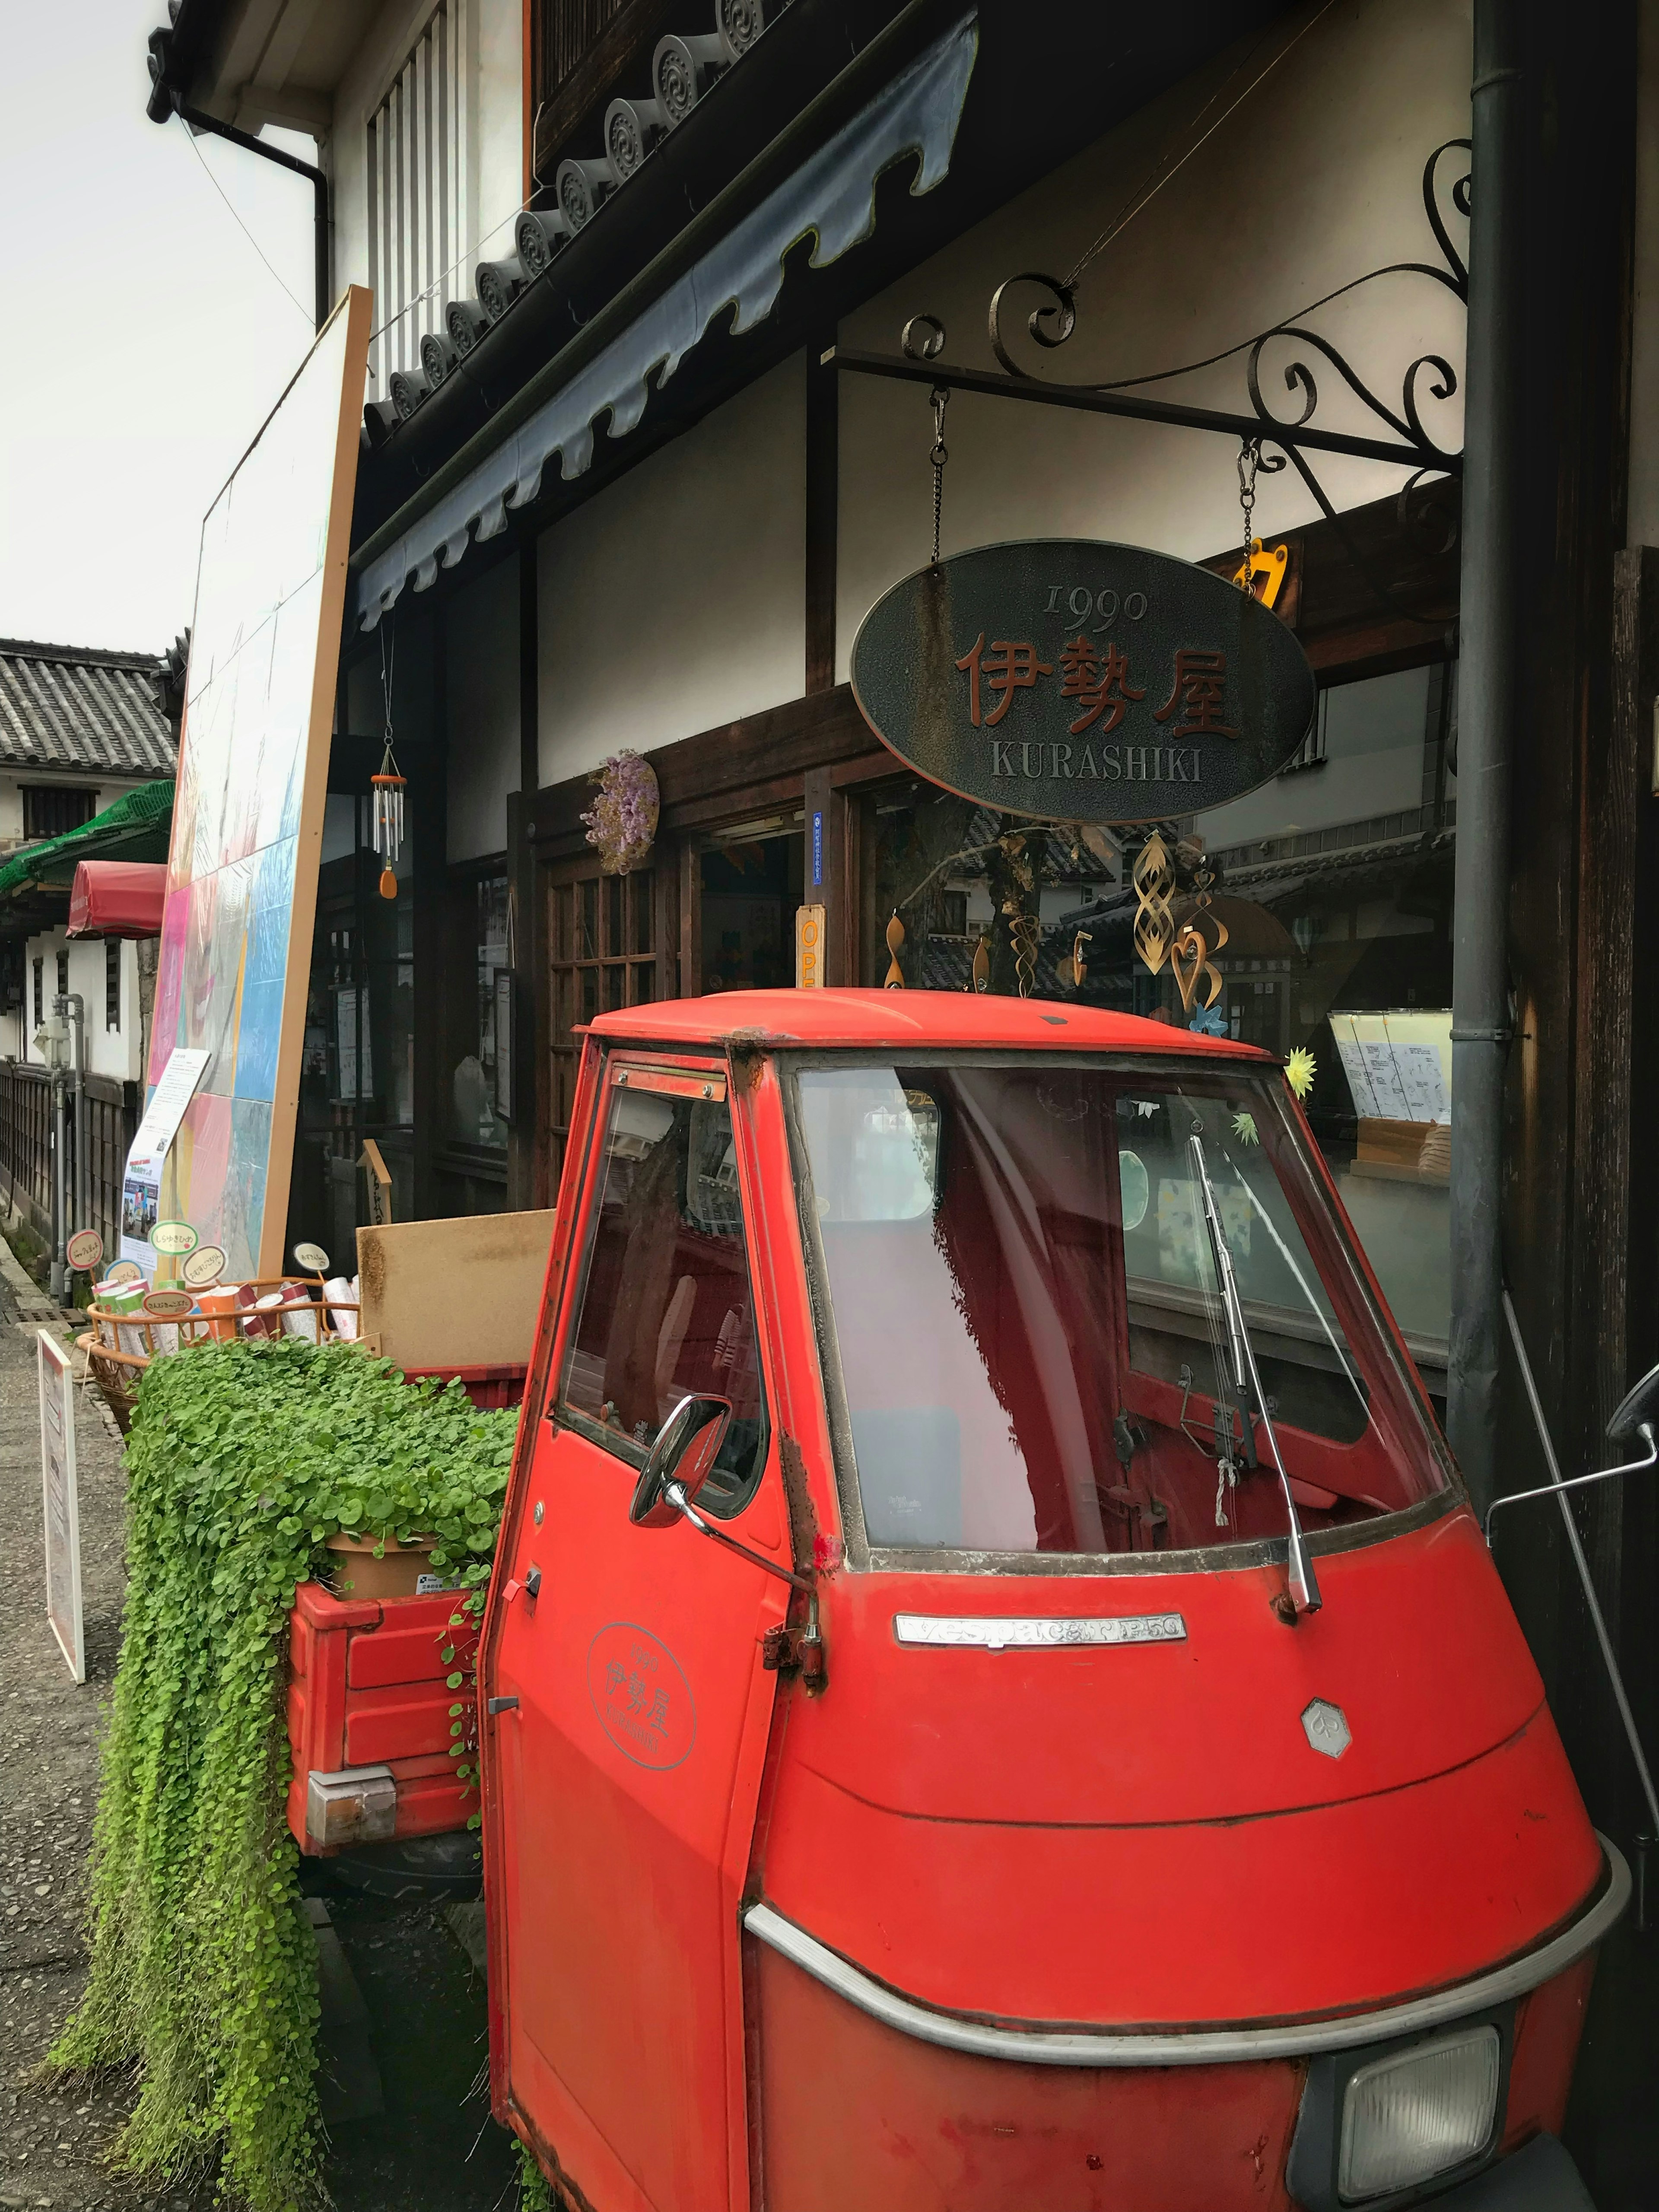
(141, 1188)
(60, 1502)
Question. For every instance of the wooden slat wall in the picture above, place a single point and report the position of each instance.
(26, 1133)
(423, 222)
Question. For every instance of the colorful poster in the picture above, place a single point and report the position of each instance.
(61, 1505)
(248, 816)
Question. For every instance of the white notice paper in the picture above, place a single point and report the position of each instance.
(1354, 1065)
(141, 1187)
(60, 1506)
(1424, 1083)
(1386, 1086)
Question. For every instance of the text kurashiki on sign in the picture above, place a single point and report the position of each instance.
(1099, 681)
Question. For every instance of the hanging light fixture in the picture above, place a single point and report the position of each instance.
(387, 832)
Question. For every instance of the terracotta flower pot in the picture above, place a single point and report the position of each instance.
(394, 1575)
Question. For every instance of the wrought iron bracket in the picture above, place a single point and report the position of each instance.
(1409, 444)
(1091, 399)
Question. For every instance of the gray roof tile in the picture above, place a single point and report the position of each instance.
(68, 706)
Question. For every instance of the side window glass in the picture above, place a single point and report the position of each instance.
(666, 1307)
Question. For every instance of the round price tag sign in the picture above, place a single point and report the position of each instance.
(173, 1239)
(124, 1271)
(84, 1250)
(204, 1266)
(168, 1306)
(311, 1257)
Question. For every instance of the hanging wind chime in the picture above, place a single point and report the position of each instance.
(388, 787)
(389, 821)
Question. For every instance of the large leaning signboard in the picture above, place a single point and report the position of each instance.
(1077, 681)
(247, 817)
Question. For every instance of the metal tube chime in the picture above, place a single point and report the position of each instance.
(388, 832)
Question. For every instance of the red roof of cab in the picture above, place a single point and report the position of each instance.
(903, 1018)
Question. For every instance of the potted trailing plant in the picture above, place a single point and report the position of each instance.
(244, 1458)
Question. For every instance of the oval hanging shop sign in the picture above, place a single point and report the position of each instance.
(1079, 681)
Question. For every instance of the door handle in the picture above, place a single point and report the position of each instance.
(531, 1584)
(502, 1706)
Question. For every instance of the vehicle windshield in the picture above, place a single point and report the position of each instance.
(1026, 1321)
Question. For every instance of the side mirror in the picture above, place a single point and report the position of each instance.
(688, 1444)
(1639, 1404)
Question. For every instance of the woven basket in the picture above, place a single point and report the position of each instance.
(117, 1372)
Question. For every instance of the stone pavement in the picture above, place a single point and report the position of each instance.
(419, 2001)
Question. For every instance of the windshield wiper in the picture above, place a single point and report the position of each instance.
(1246, 1383)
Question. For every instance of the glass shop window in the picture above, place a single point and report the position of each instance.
(474, 1099)
(666, 1307)
(1339, 877)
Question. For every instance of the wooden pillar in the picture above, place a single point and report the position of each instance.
(824, 829)
(428, 798)
(690, 917)
(527, 1152)
(822, 514)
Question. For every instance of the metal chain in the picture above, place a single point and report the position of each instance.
(1249, 459)
(938, 456)
(388, 667)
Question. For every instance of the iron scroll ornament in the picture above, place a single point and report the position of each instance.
(1070, 679)
(1404, 432)
(1052, 322)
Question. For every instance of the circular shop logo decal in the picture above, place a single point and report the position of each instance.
(642, 1699)
(84, 1250)
(204, 1266)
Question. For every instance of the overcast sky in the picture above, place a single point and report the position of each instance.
(145, 340)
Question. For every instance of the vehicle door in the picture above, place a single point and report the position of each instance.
(627, 1777)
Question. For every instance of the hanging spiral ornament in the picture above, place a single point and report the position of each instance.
(895, 943)
(1023, 935)
(388, 829)
(387, 832)
(1154, 879)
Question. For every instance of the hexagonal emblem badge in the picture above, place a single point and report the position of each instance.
(1327, 1727)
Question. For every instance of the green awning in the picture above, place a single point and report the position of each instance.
(136, 826)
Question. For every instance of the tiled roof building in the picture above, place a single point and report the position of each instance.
(80, 710)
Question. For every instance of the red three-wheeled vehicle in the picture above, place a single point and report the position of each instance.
(995, 1699)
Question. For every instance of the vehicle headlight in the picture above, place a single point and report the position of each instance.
(1416, 2114)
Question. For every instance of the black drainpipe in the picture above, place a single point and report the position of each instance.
(1487, 686)
(198, 121)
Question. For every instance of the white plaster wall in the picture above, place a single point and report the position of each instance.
(1314, 180)
(675, 600)
(109, 1052)
(481, 681)
(501, 27)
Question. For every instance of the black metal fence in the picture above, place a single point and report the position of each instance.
(26, 1147)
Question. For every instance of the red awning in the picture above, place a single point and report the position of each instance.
(118, 898)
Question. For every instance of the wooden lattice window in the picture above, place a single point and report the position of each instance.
(52, 809)
(604, 936)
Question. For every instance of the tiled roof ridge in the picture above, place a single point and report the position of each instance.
(84, 656)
